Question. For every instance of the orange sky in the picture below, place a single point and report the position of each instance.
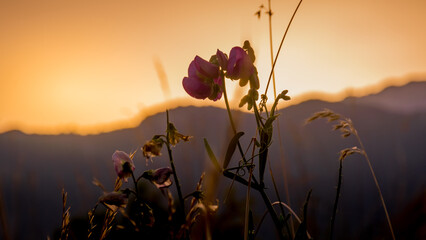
(76, 64)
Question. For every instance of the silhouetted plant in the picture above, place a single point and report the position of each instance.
(208, 80)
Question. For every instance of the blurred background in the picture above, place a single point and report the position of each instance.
(79, 80)
(78, 66)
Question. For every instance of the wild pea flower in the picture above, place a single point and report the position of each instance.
(159, 177)
(203, 81)
(123, 164)
(240, 66)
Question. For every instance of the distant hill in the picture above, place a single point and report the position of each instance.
(407, 99)
(392, 125)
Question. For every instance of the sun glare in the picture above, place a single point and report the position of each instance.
(83, 64)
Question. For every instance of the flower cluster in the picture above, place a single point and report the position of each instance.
(206, 78)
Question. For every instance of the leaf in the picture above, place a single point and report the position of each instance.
(301, 233)
(265, 139)
(231, 149)
(263, 153)
(212, 156)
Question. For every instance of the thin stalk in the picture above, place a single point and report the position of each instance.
(246, 220)
(277, 123)
(281, 44)
(377, 185)
(241, 180)
(265, 198)
(285, 175)
(234, 129)
(261, 190)
(271, 47)
(279, 200)
(169, 151)
(136, 185)
(272, 212)
(336, 200)
(247, 212)
(289, 209)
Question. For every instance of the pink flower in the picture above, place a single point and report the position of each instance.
(203, 81)
(222, 59)
(123, 164)
(240, 66)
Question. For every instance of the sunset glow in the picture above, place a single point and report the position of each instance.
(93, 66)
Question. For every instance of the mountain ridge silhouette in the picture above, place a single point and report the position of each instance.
(38, 166)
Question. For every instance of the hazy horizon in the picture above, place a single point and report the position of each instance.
(84, 63)
(147, 111)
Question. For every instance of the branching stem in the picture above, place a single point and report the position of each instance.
(169, 151)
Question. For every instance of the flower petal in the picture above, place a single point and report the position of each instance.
(196, 88)
(239, 64)
(161, 175)
(192, 70)
(222, 59)
(119, 159)
(205, 68)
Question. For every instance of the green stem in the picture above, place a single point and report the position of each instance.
(261, 190)
(234, 129)
(169, 151)
(225, 95)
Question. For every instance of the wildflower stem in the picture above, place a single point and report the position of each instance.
(272, 212)
(136, 185)
(247, 210)
(271, 46)
(228, 109)
(279, 200)
(277, 123)
(281, 44)
(260, 189)
(169, 151)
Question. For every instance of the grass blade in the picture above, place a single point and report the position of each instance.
(231, 148)
(212, 156)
